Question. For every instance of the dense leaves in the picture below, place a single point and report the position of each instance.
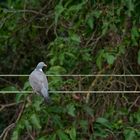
(72, 37)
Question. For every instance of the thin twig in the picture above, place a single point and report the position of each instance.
(30, 135)
(6, 130)
(26, 11)
(20, 113)
(134, 103)
(8, 105)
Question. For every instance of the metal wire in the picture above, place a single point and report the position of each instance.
(27, 92)
(75, 75)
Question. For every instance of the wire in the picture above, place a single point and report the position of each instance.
(27, 92)
(75, 75)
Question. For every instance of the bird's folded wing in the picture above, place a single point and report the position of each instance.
(38, 81)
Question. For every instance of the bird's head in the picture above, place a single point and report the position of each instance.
(40, 65)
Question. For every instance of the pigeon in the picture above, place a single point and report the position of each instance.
(39, 82)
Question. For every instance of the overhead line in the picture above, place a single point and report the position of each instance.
(27, 92)
(75, 75)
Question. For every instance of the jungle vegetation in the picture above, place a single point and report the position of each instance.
(73, 37)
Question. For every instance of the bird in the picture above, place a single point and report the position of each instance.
(39, 82)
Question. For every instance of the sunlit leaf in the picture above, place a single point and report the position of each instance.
(37, 104)
(62, 135)
(43, 138)
(130, 134)
(90, 22)
(10, 88)
(84, 123)
(35, 121)
(76, 7)
(27, 124)
(57, 121)
(75, 38)
(26, 85)
(97, 13)
(110, 58)
(56, 70)
(99, 59)
(71, 109)
(58, 10)
(105, 27)
(52, 137)
(15, 136)
(71, 55)
(104, 122)
(88, 110)
(72, 133)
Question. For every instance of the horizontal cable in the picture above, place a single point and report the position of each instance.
(27, 92)
(75, 75)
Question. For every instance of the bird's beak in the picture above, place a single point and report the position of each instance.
(45, 65)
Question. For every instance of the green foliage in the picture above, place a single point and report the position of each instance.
(71, 109)
(72, 37)
(131, 134)
(105, 56)
(35, 121)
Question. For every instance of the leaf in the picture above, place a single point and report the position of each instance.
(57, 121)
(43, 138)
(110, 58)
(86, 56)
(88, 110)
(15, 135)
(84, 124)
(99, 58)
(137, 117)
(71, 109)
(139, 57)
(134, 35)
(105, 27)
(71, 55)
(75, 7)
(10, 88)
(58, 11)
(61, 58)
(130, 5)
(72, 133)
(104, 122)
(62, 135)
(97, 13)
(56, 70)
(53, 60)
(101, 134)
(27, 124)
(26, 85)
(20, 96)
(99, 62)
(130, 134)
(135, 32)
(76, 38)
(52, 137)
(90, 22)
(121, 49)
(37, 104)
(35, 121)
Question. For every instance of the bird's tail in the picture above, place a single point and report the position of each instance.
(47, 100)
(45, 94)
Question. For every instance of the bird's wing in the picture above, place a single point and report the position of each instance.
(38, 81)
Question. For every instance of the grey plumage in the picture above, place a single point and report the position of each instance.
(39, 82)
